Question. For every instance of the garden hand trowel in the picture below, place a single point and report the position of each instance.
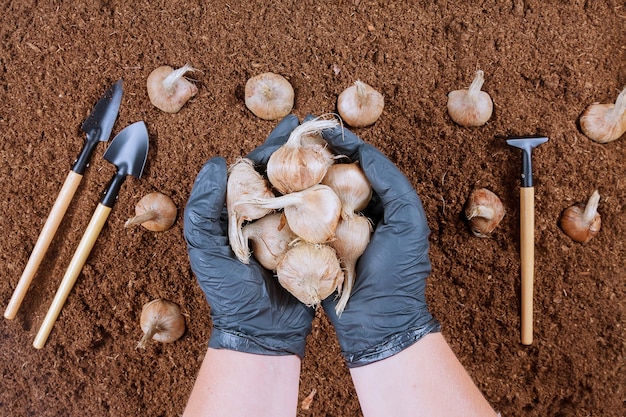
(98, 128)
(527, 231)
(128, 152)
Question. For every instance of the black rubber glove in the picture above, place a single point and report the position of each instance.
(387, 310)
(251, 312)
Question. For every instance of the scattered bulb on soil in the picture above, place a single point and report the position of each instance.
(162, 321)
(155, 211)
(582, 222)
(360, 105)
(269, 96)
(470, 107)
(484, 210)
(605, 123)
(168, 90)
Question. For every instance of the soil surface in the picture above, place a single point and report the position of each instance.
(544, 62)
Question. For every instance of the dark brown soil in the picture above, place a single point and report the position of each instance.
(544, 62)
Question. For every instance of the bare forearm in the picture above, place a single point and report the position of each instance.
(425, 379)
(243, 384)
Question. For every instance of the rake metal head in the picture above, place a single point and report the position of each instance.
(526, 144)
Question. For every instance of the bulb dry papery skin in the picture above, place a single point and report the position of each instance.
(360, 105)
(312, 214)
(470, 107)
(154, 211)
(301, 162)
(162, 321)
(269, 96)
(351, 239)
(582, 222)
(168, 90)
(269, 237)
(316, 142)
(484, 211)
(310, 272)
(605, 123)
(244, 183)
(351, 185)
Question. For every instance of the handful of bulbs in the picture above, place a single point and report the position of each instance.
(303, 219)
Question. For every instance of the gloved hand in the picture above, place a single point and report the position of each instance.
(387, 310)
(251, 312)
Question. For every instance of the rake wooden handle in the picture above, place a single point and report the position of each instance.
(73, 270)
(43, 242)
(527, 252)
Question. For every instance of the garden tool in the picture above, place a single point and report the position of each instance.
(128, 152)
(527, 232)
(98, 127)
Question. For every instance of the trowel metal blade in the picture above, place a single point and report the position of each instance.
(99, 124)
(128, 151)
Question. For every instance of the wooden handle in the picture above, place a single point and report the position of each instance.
(43, 242)
(76, 265)
(527, 251)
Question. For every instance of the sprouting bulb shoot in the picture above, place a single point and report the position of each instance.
(605, 123)
(269, 96)
(360, 105)
(470, 107)
(168, 90)
(155, 211)
(162, 321)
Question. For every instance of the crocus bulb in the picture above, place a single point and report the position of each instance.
(317, 143)
(582, 222)
(162, 321)
(312, 213)
(154, 211)
(269, 96)
(351, 185)
(360, 105)
(484, 211)
(470, 107)
(269, 237)
(300, 163)
(310, 272)
(351, 239)
(168, 90)
(244, 182)
(604, 123)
